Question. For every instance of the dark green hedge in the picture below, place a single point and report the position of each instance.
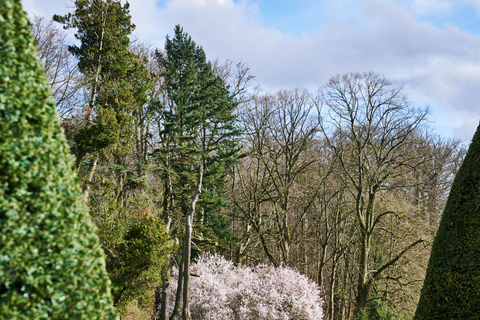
(452, 285)
(51, 264)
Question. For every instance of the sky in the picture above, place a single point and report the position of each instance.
(430, 47)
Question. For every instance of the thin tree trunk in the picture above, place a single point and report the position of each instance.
(321, 266)
(178, 295)
(161, 301)
(187, 245)
(267, 252)
(89, 180)
(157, 303)
(97, 75)
(168, 218)
(331, 302)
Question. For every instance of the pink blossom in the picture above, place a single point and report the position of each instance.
(225, 291)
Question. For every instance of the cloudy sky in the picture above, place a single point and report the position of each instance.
(431, 47)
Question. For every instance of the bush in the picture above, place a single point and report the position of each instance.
(224, 291)
(377, 309)
(142, 257)
(451, 289)
(51, 263)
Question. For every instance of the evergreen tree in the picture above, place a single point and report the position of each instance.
(198, 137)
(118, 81)
(116, 77)
(198, 124)
(452, 284)
(51, 263)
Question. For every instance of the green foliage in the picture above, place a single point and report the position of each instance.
(198, 123)
(220, 226)
(143, 254)
(51, 263)
(136, 243)
(117, 78)
(451, 288)
(92, 137)
(102, 27)
(377, 309)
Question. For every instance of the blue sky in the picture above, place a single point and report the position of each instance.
(430, 47)
(296, 17)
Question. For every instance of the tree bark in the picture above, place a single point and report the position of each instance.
(161, 299)
(363, 287)
(178, 296)
(187, 245)
(89, 180)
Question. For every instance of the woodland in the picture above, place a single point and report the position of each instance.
(181, 158)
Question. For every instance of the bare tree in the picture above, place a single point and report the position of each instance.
(59, 65)
(238, 78)
(279, 131)
(370, 131)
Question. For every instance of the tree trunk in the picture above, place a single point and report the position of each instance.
(89, 180)
(91, 103)
(331, 298)
(363, 287)
(157, 304)
(321, 266)
(187, 245)
(267, 252)
(178, 296)
(162, 295)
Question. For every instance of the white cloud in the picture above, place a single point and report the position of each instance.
(476, 3)
(145, 15)
(440, 67)
(427, 6)
(47, 8)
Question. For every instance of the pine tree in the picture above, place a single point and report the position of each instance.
(116, 77)
(51, 263)
(452, 284)
(198, 136)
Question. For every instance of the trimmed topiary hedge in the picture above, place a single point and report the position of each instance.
(51, 263)
(452, 284)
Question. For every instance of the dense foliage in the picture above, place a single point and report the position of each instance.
(51, 263)
(137, 267)
(116, 78)
(221, 290)
(198, 126)
(452, 284)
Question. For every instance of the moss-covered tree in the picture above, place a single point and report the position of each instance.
(452, 284)
(51, 263)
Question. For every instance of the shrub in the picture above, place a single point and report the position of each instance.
(451, 289)
(51, 263)
(377, 309)
(142, 257)
(224, 291)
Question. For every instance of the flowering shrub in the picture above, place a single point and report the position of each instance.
(224, 291)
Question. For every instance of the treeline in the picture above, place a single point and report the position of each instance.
(179, 156)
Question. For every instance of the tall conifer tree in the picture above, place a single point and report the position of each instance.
(452, 284)
(118, 81)
(51, 263)
(116, 77)
(199, 135)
